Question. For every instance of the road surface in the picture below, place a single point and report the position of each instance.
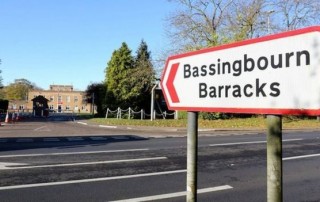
(51, 161)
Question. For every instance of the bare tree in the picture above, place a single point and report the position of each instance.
(203, 23)
(197, 24)
(246, 20)
(294, 14)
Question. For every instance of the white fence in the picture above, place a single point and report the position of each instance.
(129, 113)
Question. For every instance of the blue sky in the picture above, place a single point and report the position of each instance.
(69, 42)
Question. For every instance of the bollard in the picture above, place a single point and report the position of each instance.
(129, 113)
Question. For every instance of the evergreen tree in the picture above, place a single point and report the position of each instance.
(129, 79)
(117, 72)
(143, 77)
(96, 92)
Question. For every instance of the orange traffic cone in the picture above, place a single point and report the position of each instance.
(7, 118)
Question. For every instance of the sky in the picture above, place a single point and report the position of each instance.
(69, 42)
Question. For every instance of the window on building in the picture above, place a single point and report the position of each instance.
(75, 98)
(59, 99)
(68, 107)
(68, 98)
(51, 107)
(51, 98)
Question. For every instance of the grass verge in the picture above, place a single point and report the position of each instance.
(233, 123)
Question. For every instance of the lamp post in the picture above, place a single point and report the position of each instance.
(152, 112)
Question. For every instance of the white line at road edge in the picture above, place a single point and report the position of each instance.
(91, 180)
(300, 157)
(84, 163)
(253, 142)
(72, 153)
(106, 126)
(177, 194)
(42, 127)
(83, 123)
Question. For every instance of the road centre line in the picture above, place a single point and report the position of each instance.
(85, 163)
(253, 142)
(72, 153)
(91, 180)
(300, 157)
(173, 195)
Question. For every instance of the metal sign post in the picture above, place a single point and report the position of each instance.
(192, 156)
(274, 158)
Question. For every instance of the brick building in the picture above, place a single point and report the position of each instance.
(61, 98)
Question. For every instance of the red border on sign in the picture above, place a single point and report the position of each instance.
(238, 44)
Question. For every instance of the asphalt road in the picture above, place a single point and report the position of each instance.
(66, 161)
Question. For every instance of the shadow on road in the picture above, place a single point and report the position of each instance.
(23, 143)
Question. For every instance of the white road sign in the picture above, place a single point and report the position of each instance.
(276, 74)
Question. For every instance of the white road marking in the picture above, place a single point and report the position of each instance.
(3, 140)
(91, 180)
(177, 194)
(42, 128)
(83, 163)
(300, 157)
(98, 138)
(4, 165)
(25, 140)
(106, 126)
(72, 153)
(51, 139)
(253, 142)
(74, 139)
(83, 123)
